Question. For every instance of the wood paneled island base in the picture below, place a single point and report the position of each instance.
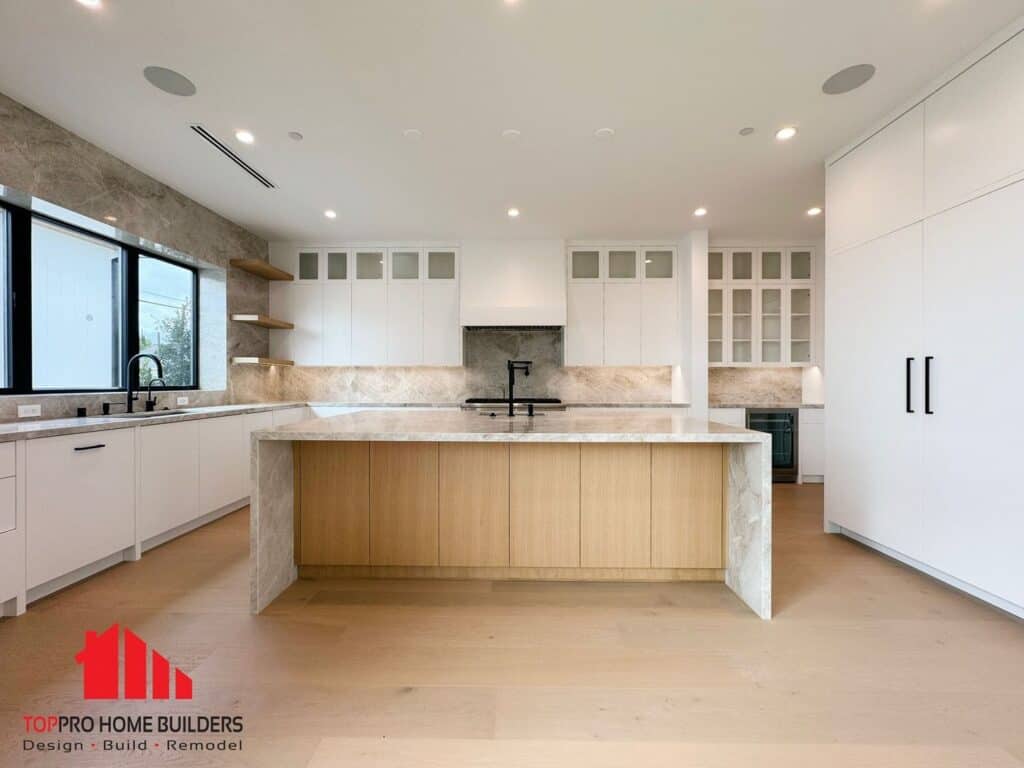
(603, 496)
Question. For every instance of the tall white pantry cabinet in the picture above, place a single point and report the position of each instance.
(926, 263)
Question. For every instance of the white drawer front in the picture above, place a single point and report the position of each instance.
(80, 501)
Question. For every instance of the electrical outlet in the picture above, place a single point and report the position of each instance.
(182, 401)
(28, 411)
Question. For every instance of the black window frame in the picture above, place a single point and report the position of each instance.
(19, 254)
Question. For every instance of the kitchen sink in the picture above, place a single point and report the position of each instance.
(144, 414)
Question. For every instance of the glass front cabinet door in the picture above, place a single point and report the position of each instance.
(742, 316)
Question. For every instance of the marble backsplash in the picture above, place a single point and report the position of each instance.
(483, 375)
(754, 386)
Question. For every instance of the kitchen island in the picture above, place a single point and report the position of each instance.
(595, 495)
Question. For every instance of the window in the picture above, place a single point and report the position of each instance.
(5, 304)
(77, 341)
(167, 321)
(76, 304)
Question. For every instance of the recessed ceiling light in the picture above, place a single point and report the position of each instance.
(511, 134)
(90, 3)
(169, 81)
(785, 134)
(245, 137)
(815, 211)
(110, 218)
(295, 136)
(701, 211)
(604, 133)
(846, 80)
(513, 213)
(330, 214)
(746, 131)
(412, 133)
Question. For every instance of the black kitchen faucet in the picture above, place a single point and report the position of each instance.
(513, 366)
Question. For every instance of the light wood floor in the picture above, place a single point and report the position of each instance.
(867, 663)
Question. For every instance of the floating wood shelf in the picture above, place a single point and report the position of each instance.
(260, 361)
(261, 269)
(263, 322)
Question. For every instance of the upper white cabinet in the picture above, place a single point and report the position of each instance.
(974, 129)
(367, 305)
(623, 306)
(877, 187)
(80, 504)
(761, 306)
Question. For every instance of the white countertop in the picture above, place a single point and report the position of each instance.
(653, 425)
(72, 426)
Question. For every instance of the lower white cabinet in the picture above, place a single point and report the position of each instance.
(168, 477)
(223, 461)
(811, 440)
(80, 501)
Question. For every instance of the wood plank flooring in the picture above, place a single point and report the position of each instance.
(866, 663)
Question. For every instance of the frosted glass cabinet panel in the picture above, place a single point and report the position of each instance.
(800, 268)
(337, 265)
(742, 300)
(742, 265)
(370, 265)
(585, 265)
(771, 266)
(715, 325)
(441, 265)
(800, 338)
(622, 265)
(771, 325)
(309, 265)
(658, 265)
(405, 265)
(716, 265)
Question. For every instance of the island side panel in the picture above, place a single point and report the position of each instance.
(748, 570)
(271, 522)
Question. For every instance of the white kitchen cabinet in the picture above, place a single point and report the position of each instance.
(734, 417)
(442, 334)
(659, 323)
(369, 309)
(800, 326)
(168, 477)
(8, 510)
(874, 444)
(12, 537)
(80, 501)
(223, 462)
(301, 304)
(337, 323)
(405, 323)
(741, 265)
(877, 187)
(259, 420)
(622, 319)
(811, 438)
(973, 321)
(584, 331)
(974, 130)
(716, 325)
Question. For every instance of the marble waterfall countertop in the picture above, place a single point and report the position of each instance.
(26, 430)
(594, 425)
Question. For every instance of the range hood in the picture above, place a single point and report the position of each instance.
(512, 283)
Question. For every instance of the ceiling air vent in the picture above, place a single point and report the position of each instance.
(222, 148)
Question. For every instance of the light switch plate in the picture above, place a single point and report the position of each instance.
(182, 401)
(28, 411)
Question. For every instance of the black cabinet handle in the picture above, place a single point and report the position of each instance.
(928, 385)
(909, 377)
(90, 447)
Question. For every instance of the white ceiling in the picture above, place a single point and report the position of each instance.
(676, 79)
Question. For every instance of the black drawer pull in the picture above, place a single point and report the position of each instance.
(90, 447)
(908, 376)
(928, 385)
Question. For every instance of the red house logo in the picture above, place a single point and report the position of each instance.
(101, 678)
